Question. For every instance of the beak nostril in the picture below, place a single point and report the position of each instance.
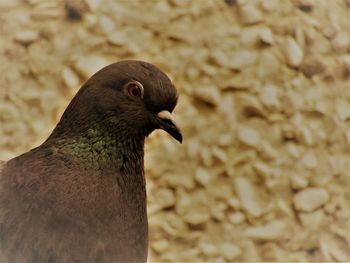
(166, 115)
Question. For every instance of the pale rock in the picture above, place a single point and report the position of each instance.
(333, 250)
(227, 139)
(230, 251)
(208, 94)
(271, 231)
(266, 36)
(236, 218)
(243, 157)
(160, 246)
(192, 208)
(209, 70)
(196, 215)
(299, 182)
(70, 79)
(293, 52)
(309, 160)
(208, 249)
(234, 203)
(26, 37)
(165, 198)
(249, 136)
(203, 176)
(339, 252)
(106, 24)
(250, 105)
(250, 14)
(285, 207)
(310, 199)
(249, 37)
(341, 42)
(93, 5)
(218, 211)
(307, 136)
(238, 60)
(90, 20)
(87, 66)
(311, 66)
(269, 96)
(206, 156)
(312, 220)
(220, 189)
(220, 58)
(44, 15)
(270, 5)
(243, 59)
(170, 256)
(117, 38)
(238, 82)
(342, 108)
(249, 196)
(262, 169)
(219, 153)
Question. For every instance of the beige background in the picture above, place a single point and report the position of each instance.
(264, 170)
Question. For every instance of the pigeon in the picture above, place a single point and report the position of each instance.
(80, 196)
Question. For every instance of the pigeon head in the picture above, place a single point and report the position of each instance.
(130, 97)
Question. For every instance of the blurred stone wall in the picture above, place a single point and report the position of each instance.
(264, 170)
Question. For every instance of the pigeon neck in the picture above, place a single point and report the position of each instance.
(97, 146)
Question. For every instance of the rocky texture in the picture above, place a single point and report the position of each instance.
(264, 107)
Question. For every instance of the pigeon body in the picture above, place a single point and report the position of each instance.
(80, 196)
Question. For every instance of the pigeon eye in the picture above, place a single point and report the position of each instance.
(135, 89)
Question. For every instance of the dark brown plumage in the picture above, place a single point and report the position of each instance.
(80, 196)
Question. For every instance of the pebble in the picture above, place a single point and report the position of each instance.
(271, 231)
(220, 154)
(26, 37)
(230, 251)
(249, 15)
(202, 176)
(342, 108)
(234, 203)
(236, 218)
(309, 160)
(208, 94)
(341, 42)
(117, 38)
(243, 59)
(88, 66)
(249, 136)
(235, 60)
(160, 246)
(293, 52)
(209, 249)
(269, 96)
(238, 82)
(299, 182)
(44, 15)
(218, 211)
(249, 196)
(165, 197)
(266, 36)
(310, 199)
(311, 67)
(70, 79)
(312, 220)
(93, 5)
(196, 215)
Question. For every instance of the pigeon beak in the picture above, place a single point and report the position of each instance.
(167, 122)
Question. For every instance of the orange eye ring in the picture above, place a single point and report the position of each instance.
(134, 89)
